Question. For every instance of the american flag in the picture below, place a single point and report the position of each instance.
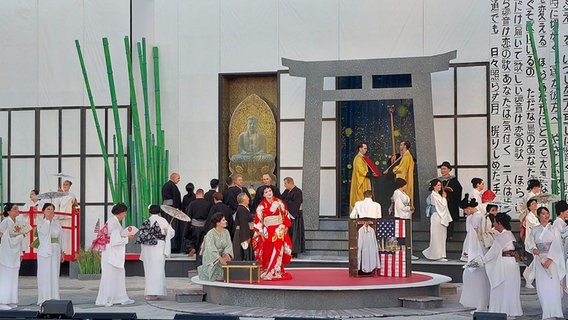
(391, 228)
(393, 263)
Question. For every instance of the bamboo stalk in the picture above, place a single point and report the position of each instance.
(115, 168)
(121, 161)
(1, 176)
(97, 124)
(157, 96)
(541, 89)
(131, 218)
(560, 180)
(149, 149)
(136, 148)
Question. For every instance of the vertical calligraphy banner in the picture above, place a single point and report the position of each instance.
(518, 137)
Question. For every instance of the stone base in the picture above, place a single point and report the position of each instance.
(421, 302)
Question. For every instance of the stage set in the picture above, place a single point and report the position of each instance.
(310, 287)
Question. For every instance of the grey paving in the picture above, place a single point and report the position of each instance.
(83, 294)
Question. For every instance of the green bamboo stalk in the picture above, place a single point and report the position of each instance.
(138, 150)
(157, 95)
(115, 169)
(560, 180)
(97, 124)
(149, 150)
(131, 218)
(121, 161)
(156, 198)
(1, 176)
(542, 91)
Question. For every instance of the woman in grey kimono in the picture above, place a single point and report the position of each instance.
(217, 250)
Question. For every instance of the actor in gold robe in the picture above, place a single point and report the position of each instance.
(360, 180)
(405, 169)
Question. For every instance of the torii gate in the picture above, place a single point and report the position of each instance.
(420, 92)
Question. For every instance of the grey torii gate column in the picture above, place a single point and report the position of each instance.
(420, 69)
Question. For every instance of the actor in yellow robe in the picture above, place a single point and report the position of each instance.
(405, 169)
(360, 181)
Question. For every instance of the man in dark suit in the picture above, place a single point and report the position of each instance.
(214, 183)
(219, 206)
(230, 198)
(453, 189)
(198, 210)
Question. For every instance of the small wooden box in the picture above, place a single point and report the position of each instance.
(241, 271)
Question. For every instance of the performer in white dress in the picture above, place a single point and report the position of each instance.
(66, 204)
(478, 185)
(502, 267)
(475, 290)
(49, 255)
(438, 223)
(11, 250)
(549, 265)
(529, 221)
(403, 207)
(112, 288)
(155, 240)
(560, 224)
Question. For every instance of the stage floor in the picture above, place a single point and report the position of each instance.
(310, 286)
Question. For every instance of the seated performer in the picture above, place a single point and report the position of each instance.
(271, 242)
(217, 250)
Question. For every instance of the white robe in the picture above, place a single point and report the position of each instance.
(112, 288)
(560, 225)
(48, 260)
(531, 221)
(368, 251)
(548, 286)
(438, 228)
(401, 205)
(475, 292)
(154, 259)
(503, 274)
(10, 253)
(65, 204)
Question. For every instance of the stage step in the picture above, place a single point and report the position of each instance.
(421, 302)
(187, 296)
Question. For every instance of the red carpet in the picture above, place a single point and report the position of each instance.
(337, 277)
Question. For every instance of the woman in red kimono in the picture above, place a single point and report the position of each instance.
(271, 243)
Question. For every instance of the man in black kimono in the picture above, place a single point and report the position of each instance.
(219, 206)
(453, 189)
(172, 197)
(230, 197)
(214, 183)
(198, 210)
(258, 197)
(292, 196)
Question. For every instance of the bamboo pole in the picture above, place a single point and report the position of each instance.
(136, 148)
(560, 180)
(149, 150)
(541, 89)
(158, 106)
(122, 176)
(131, 218)
(97, 124)
(1, 176)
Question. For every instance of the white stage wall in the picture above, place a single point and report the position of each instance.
(198, 40)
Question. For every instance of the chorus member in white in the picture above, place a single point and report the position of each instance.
(11, 250)
(403, 209)
(529, 221)
(33, 201)
(366, 208)
(49, 255)
(475, 290)
(112, 288)
(478, 185)
(66, 204)
(560, 224)
(534, 188)
(439, 222)
(217, 249)
(488, 231)
(155, 248)
(502, 267)
(549, 265)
